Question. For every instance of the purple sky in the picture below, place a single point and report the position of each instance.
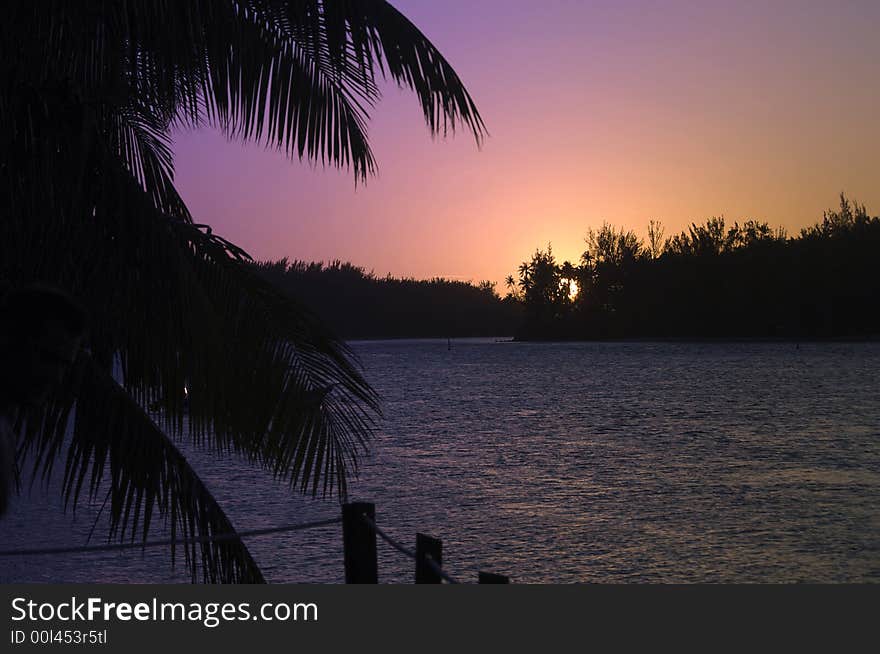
(597, 111)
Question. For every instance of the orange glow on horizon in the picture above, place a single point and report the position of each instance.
(617, 112)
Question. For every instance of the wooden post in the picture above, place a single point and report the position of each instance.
(492, 578)
(359, 543)
(427, 546)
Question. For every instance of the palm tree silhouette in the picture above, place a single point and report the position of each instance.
(511, 284)
(90, 93)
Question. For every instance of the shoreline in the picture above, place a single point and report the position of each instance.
(708, 339)
(643, 339)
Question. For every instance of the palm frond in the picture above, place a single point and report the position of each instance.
(89, 92)
(287, 394)
(298, 75)
(115, 442)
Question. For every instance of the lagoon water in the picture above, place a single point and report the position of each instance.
(577, 462)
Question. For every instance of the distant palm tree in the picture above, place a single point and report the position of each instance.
(91, 91)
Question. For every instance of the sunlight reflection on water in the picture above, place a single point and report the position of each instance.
(595, 462)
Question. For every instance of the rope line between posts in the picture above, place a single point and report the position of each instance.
(219, 538)
(440, 571)
(403, 549)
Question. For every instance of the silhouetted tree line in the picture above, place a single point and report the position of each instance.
(710, 281)
(358, 304)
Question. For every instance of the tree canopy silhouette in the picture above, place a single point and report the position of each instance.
(359, 304)
(89, 94)
(711, 280)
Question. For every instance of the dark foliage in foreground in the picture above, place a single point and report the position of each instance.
(711, 281)
(90, 93)
(358, 304)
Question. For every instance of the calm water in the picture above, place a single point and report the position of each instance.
(599, 462)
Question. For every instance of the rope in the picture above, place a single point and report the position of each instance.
(400, 548)
(438, 570)
(407, 551)
(220, 538)
(110, 547)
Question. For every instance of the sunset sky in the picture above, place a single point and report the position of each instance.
(597, 111)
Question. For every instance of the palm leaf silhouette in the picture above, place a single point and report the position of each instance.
(90, 93)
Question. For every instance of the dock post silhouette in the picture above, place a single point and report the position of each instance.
(359, 533)
(428, 550)
(359, 543)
